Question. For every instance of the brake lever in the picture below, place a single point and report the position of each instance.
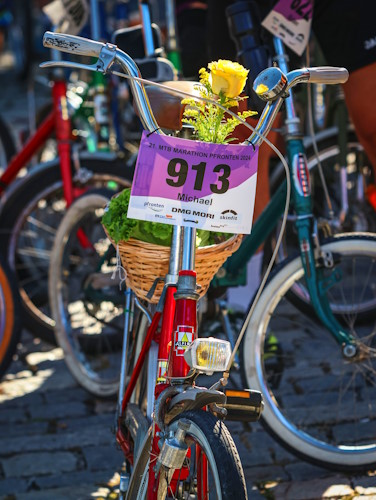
(106, 58)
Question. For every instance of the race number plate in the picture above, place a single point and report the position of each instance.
(290, 20)
(194, 184)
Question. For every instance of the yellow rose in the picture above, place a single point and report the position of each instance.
(228, 77)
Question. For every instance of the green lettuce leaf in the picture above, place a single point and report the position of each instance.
(121, 228)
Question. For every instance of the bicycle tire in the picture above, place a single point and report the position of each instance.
(213, 437)
(10, 323)
(88, 320)
(318, 405)
(29, 216)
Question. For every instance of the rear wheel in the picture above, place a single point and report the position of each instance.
(211, 468)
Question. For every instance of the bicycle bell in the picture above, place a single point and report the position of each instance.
(270, 84)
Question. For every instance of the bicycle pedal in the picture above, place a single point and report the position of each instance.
(243, 405)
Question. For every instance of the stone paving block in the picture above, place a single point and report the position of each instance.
(103, 457)
(365, 481)
(61, 379)
(366, 490)
(23, 402)
(253, 493)
(253, 456)
(263, 474)
(301, 471)
(31, 464)
(364, 497)
(61, 410)
(327, 488)
(27, 384)
(12, 485)
(13, 415)
(283, 456)
(89, 436)
(74, 492)
(103, 407)
(74, 394)
(99, 478)
(106, 421)
(15, 430)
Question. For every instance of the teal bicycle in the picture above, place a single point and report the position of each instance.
(310, 336)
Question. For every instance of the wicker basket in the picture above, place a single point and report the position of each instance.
(144, 262)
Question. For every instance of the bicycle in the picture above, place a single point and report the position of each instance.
(328, 288)
(31, 205)
(171, 399)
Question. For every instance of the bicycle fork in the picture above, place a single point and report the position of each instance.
(310, 249)
(302, 201)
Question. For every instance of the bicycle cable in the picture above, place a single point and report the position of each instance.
(314, 143)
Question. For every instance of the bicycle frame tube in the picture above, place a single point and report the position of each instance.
(58, 121)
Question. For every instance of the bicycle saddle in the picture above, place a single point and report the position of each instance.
(167, 108)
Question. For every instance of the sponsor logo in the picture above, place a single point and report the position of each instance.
(156, 207)
(229, 215)
(183, 337)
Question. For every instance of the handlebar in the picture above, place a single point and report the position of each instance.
(72, 44)
(328, 74)
(273, 84)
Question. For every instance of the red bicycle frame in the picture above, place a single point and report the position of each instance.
(179, 318)
(57, 121)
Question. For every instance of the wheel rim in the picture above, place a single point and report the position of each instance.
(201, 476)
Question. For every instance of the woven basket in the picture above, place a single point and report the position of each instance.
(144, 262)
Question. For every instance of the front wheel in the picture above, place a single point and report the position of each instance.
(318, 404)
(211, 469)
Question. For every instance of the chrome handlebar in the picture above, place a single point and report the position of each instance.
(271, 85)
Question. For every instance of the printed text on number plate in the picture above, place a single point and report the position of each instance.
(194, 184)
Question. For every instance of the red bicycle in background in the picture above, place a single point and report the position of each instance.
(33, 201)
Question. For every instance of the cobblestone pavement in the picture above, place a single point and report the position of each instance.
(56, 441)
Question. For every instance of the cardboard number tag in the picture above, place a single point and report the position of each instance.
(194, 184)
(290, 20)
(68, 16)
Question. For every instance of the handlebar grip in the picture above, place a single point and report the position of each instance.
(72, 44)
(328, 74)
